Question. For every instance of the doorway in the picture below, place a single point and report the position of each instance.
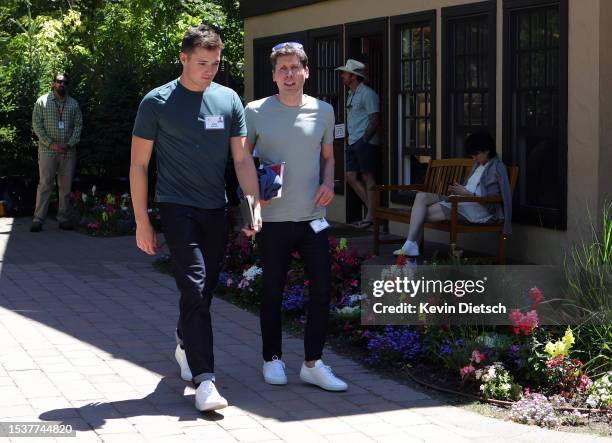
(367, 42)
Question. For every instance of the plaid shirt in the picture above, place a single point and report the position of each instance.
(46, 123)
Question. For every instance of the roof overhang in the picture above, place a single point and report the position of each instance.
(252, 8)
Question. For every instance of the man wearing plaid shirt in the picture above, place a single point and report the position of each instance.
(57, 122)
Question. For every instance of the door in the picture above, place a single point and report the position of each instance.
(367, 42)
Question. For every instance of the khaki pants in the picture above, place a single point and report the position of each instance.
(49, 166)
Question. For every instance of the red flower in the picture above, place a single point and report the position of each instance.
(400, 260)
(536, 297)
(523, 322)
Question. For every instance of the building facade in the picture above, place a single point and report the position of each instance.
(536, 73)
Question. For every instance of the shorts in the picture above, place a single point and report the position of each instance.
(362, 157)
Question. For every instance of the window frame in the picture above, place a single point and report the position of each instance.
(528, 214)
(396, 24)
(450, 15)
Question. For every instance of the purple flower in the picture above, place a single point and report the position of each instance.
(293, 299)
(446, 348)
(394, 343)
(223, 277)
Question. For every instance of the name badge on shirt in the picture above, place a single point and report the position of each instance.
(214, 122)
(319, 224)
(60, 124)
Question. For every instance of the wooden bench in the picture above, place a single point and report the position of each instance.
(439, 174)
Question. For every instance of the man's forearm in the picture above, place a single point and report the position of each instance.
(327, 168)
(247, 176)
(76, 132)
(371, 128)
(39, 130)
(139, 183)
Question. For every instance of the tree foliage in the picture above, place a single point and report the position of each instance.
(114, 51)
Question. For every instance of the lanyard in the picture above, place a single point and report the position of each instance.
(60, 110)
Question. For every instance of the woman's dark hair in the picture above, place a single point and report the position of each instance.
(480, 142)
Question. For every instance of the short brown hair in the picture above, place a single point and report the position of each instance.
(200, 37)
(288, 50)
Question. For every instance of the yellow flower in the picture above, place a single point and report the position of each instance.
(104, 216)
(560, 347)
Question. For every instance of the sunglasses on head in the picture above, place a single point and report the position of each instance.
(292, 45)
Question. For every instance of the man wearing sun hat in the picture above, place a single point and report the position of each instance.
(362, 118)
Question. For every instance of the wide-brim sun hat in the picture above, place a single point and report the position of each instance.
(353, 67)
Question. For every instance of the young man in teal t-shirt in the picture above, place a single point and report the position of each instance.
(294, 128)
(191, 122)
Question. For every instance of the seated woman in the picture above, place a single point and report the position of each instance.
(488, 178)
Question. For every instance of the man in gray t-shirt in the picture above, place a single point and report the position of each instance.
(296, 129)
(362, 122)
(191, 122)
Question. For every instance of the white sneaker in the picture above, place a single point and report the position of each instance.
(274, 372)
(322, 376)
(410, 248)
(207, 398)
(181, 359)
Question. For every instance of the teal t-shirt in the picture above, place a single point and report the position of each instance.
(359, 106)
(191, 132)
(292, 135)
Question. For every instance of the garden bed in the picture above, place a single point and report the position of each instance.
(534, 373)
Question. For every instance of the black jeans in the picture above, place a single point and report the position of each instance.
(196, 239)
(277, 240)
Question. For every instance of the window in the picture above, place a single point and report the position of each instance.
(324, 56)
(535, 107)
(414, 85)
(468, 54)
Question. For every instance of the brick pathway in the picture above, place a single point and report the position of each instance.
(86, 338)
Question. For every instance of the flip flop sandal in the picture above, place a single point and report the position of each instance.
(365, 224)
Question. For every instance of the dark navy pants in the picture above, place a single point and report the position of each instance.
(276, 241)
(196, 239)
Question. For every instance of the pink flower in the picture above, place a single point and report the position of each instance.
(585, 382)
(466, 371)
(94, 226)
(243, 283)
(354, 283)
(229, 282)
(523, 322)
(477, 356)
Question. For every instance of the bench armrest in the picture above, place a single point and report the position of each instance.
(397, 188)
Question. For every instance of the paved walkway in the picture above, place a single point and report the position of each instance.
(86, 338)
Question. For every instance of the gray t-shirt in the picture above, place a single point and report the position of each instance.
(293, 135)
(191, 132)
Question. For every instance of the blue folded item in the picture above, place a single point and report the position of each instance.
(269, 183)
